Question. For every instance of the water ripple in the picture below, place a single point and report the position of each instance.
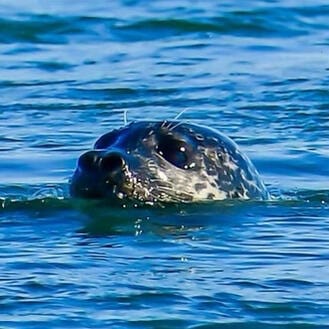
(258, 72)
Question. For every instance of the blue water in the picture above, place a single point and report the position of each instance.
(256, 70)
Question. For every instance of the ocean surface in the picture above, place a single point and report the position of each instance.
(257, 71)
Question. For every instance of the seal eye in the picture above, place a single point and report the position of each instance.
(174, 151)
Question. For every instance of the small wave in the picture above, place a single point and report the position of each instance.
(50, 204)
(256, 23)
(51, 29)
(26, 197)
(47, 29)
(314, 196)
(53, 195)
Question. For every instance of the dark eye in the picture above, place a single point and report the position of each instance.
(106, 140)
(174, 151)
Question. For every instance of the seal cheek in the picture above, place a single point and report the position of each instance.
(200, 186)
(163, 176)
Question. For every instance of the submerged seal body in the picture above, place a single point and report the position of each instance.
(166, 161)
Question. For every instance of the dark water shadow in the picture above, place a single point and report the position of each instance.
(102, 219)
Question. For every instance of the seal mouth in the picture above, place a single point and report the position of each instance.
(130, 189)
(118, 185)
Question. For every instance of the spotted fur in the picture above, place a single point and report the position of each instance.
(167, 161)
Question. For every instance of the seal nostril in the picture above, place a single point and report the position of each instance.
(89, 161)
(112, 163)
(95, 160)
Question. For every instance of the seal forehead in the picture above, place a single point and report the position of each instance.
(145, 130)
(126, 136)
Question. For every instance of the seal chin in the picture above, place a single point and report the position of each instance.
(130, 189)
(82, 186)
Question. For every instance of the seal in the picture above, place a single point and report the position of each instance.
(166, 162)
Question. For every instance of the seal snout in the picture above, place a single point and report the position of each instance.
(101, 161)
(99, 173)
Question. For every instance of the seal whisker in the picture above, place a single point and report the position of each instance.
(176, 125)
(167, 124)
(164, 123)
(173, 121)
(180, 114)
(125, 117)
(170, 192)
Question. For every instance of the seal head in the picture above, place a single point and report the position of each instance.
(167, 161)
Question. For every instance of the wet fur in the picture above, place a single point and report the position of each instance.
(217, 169)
